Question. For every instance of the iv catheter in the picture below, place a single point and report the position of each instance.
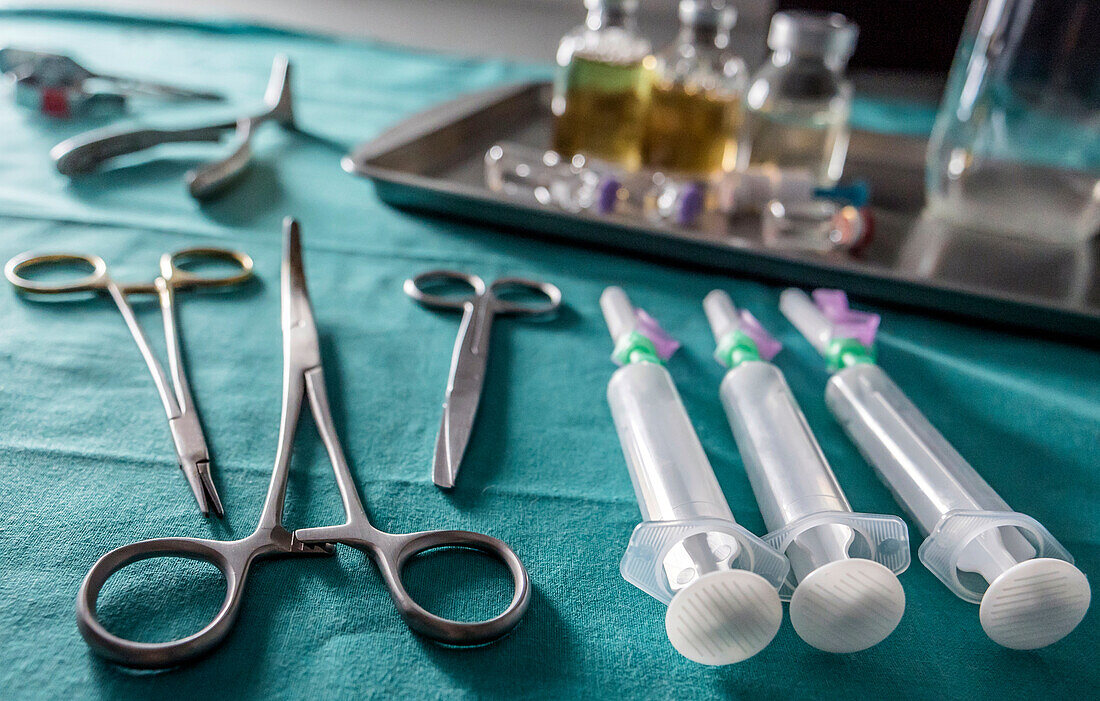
(846, 595)
(719, 580)
(1030, 592)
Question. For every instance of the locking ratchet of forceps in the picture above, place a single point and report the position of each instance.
(183, 420)
(471, 351)
(302, 377)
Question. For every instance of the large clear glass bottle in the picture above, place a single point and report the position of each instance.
(796, 108)
(1016, 146)
(601, 90)
(695, 103)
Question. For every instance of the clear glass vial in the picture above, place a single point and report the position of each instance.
(696, 90)
(601, 90)
(581, 184)
(796, 108)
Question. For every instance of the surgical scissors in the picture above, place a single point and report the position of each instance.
(471, 351)
(302, 377)
(183, 420)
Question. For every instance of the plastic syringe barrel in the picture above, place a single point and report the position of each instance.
(788, 472)
(926, 474)
(969, 527)
(672, 476)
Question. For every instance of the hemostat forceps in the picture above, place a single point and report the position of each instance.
(302, 377)
(175, 394)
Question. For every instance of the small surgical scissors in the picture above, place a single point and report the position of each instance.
(302, 377)
(183, 420)
(471, 351)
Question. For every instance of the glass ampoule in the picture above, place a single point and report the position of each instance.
(583, 184)
(797, 105)
(695, 112)
(601, 90)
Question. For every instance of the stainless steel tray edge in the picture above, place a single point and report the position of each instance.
(430, 193)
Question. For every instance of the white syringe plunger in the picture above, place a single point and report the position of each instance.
(1033, 593)
(719, 580)
(841, 601)
(1030, 592)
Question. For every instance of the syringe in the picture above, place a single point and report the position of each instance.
(1030, 592)
(719, 580)
(844, 565)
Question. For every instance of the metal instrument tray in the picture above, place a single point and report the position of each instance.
(434, 162)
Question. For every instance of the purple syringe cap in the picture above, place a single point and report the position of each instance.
(607, 195)
(649, 327)
(847, 322)
(691, 203)
(766, 344)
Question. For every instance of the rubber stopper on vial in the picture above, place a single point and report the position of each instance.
(724, 617)
(847, 605)
(1035, 603)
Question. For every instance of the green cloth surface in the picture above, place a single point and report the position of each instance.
(87, 465)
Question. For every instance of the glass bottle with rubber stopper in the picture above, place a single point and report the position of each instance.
(797, 105)
(601, 89)
(698, 82)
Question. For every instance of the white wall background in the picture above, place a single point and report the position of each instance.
(522, 29)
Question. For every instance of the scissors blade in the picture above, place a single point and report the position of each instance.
(463, 394)
(450, 446)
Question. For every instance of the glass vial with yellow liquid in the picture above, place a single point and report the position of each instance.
(797, 105)
(695, 109)
(601, 90)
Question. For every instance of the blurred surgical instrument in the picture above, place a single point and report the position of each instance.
(58, 86)
(85, 153)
